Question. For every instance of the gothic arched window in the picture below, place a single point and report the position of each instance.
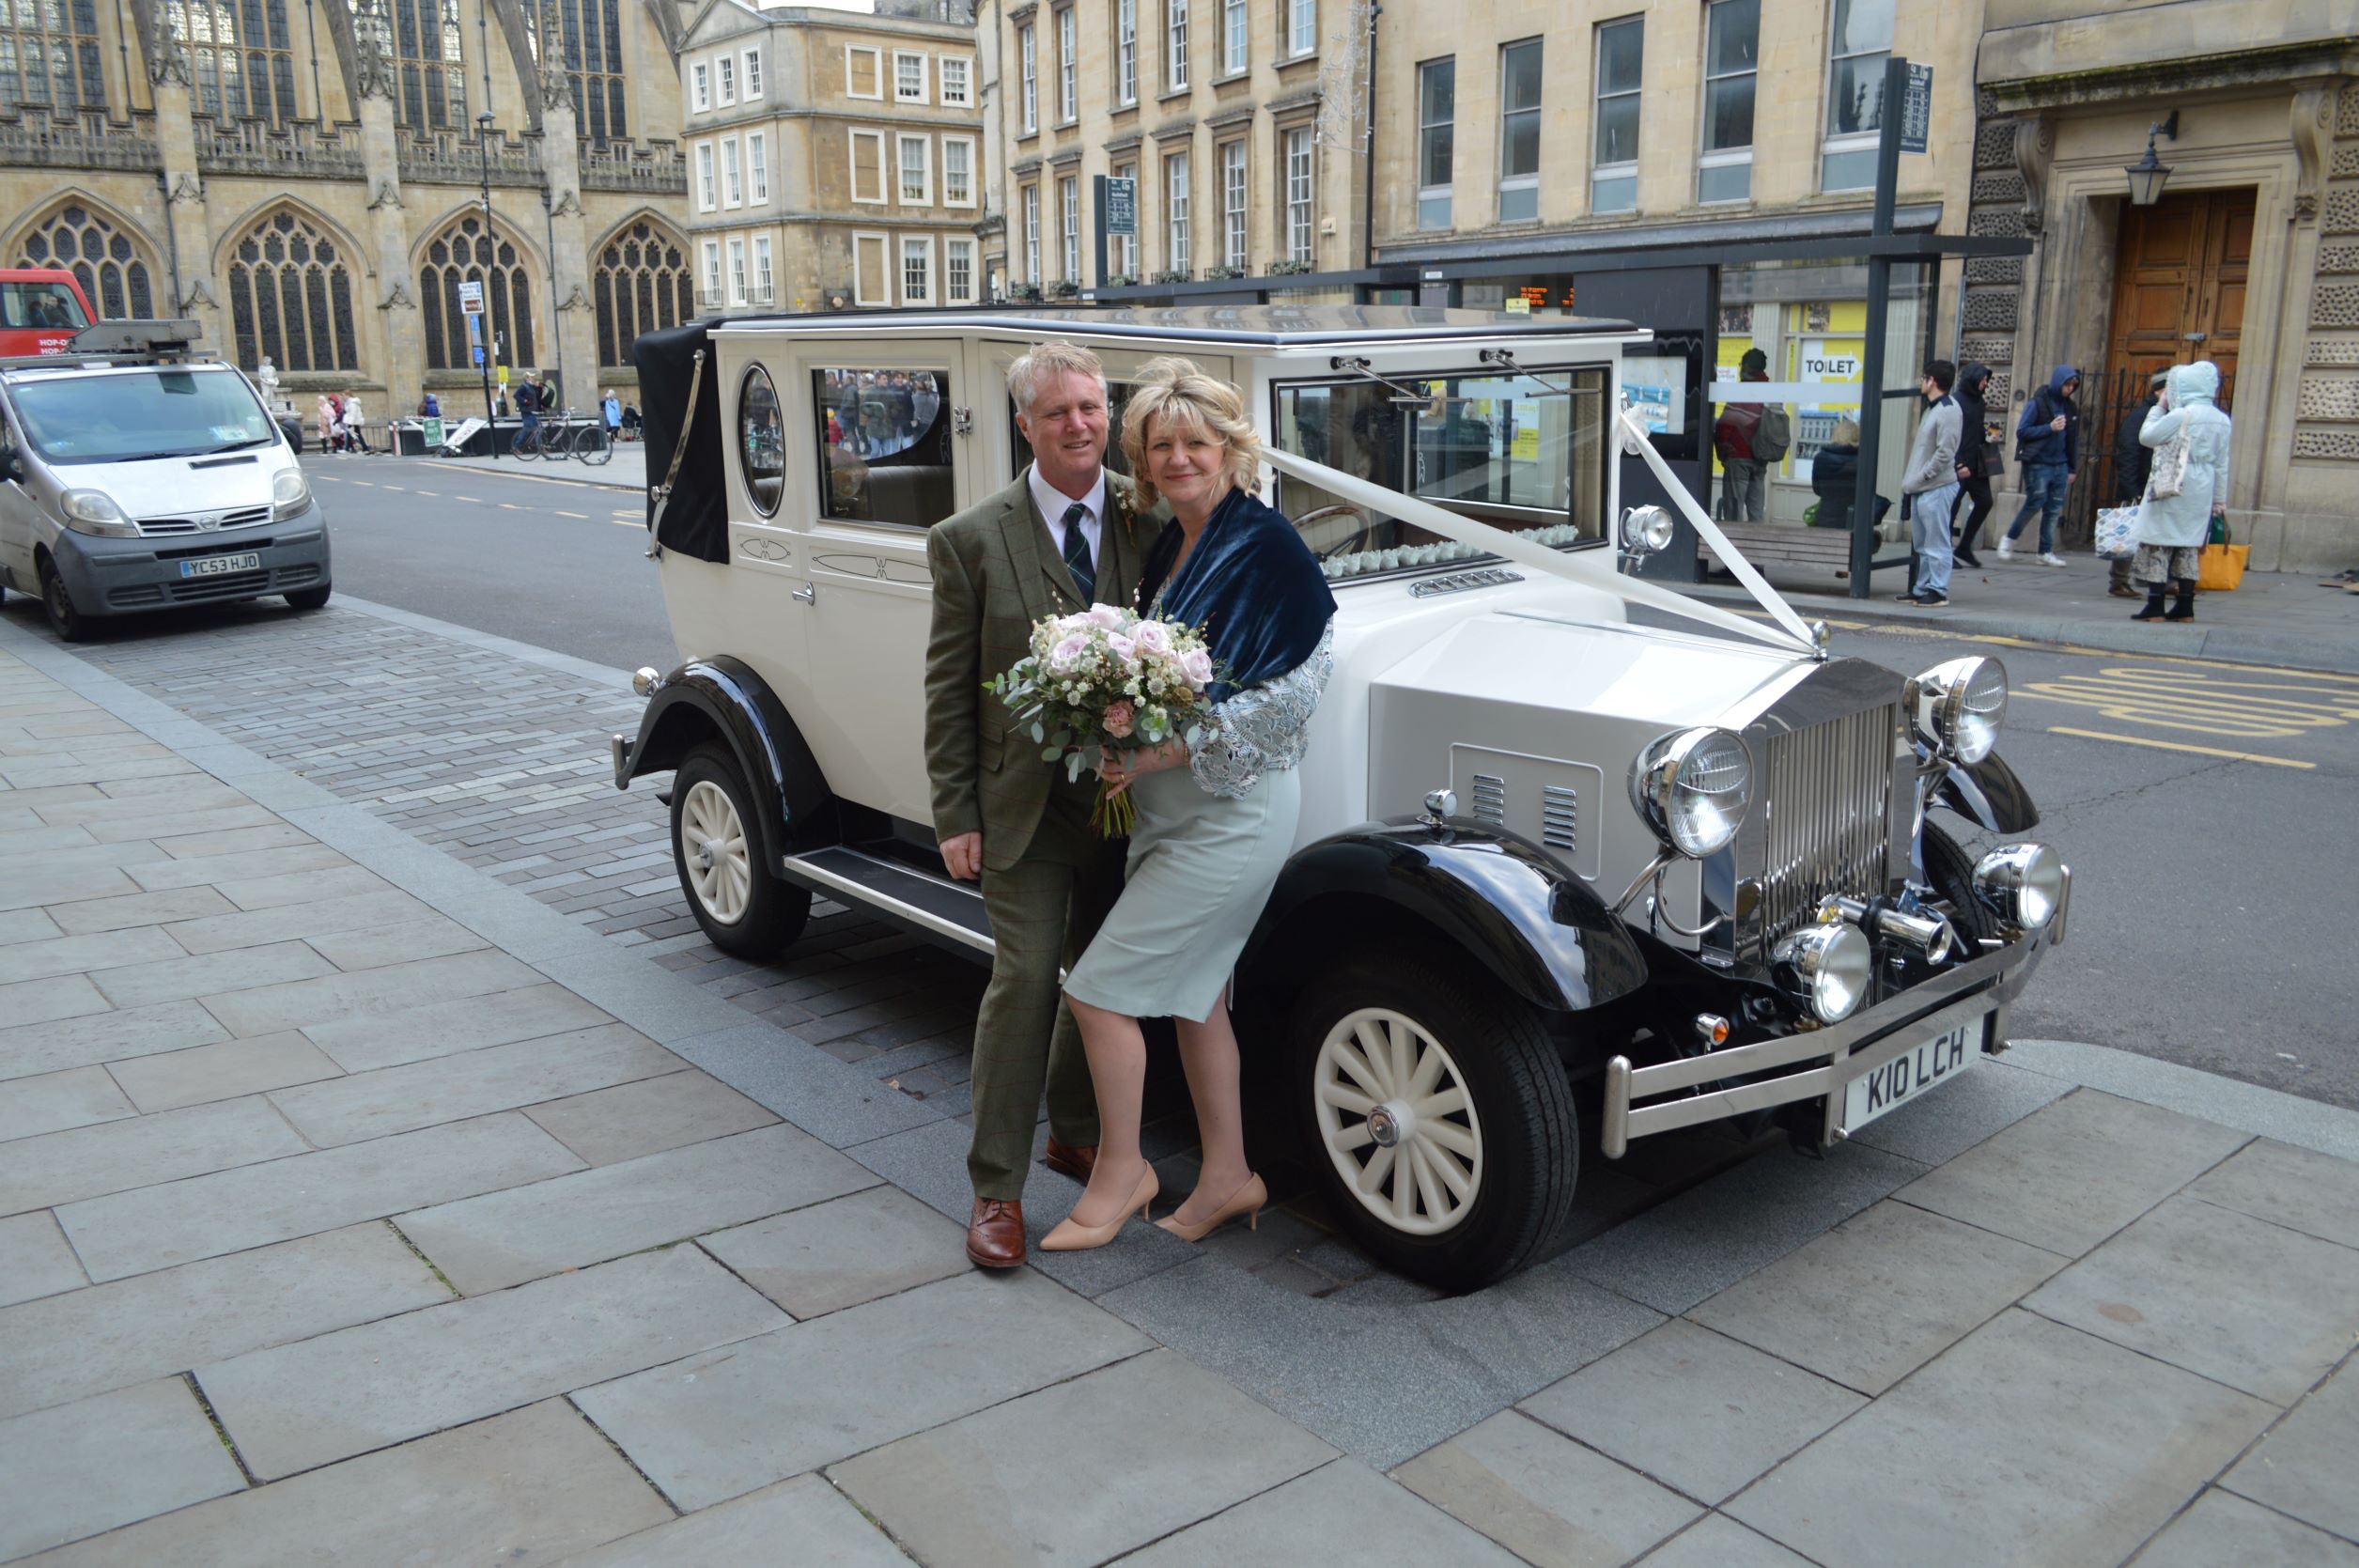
(592, 35)
(241, 55)
(465, 252)
(421, 40)
(49, 54)
(112, 269)
(643, 285)
(291, 297)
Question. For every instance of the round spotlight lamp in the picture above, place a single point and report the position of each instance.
(1693, 787)
(1826, 968)
(2024, 882)
(1959, 705)
(1646, 530)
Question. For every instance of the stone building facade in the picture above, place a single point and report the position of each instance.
(305, 180)
(2250, 258)
(835, 159)
(1240, 120)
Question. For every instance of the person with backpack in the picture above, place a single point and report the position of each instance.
(1749, 438)
(1929, 486)
(1977, 457)
(2048, 444)
(528, 408)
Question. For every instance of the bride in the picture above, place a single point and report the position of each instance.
(1215, 824)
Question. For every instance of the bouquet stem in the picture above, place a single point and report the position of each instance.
(1114, 814)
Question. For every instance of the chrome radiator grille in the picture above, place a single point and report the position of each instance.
(1828, 792)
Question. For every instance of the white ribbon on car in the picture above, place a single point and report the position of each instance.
(1589, 568)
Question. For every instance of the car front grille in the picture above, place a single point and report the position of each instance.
(246, 517)
(227, 586)
(1827, 794)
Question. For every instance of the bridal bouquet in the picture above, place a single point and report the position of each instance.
(1108, 677)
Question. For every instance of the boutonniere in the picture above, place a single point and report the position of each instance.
(1127, 507)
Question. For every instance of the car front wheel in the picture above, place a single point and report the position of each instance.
(1439, 1118)
(745, 911)
(309, 598)
(64, 617)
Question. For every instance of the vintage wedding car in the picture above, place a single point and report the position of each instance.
(1578, 853)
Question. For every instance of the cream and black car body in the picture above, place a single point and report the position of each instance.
(1581, 859)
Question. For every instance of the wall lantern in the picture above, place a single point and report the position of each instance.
(2149, 172)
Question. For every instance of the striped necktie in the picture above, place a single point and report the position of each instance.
(1076, 551)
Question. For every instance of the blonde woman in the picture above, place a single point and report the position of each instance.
(1215, 823)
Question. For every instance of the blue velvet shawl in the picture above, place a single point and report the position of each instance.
(1253, 587)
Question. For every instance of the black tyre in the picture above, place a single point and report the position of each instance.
(309, 598)
(1950, 870)
(64, 617)
(593, 447)
(746, 911)
(1477, 1180)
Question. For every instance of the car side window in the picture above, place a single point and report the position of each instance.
(884, 445)
(761, 445)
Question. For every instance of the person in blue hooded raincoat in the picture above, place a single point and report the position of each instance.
(2172, 529)
(2048, 444)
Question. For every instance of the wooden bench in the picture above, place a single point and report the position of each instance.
(1815, 558)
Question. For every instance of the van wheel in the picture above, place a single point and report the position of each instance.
(1439, 1119)
(746, 911)
(70, 623)
(308, 598)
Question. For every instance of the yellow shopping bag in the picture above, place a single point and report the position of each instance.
(2222, 567)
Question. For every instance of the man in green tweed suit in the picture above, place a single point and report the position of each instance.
(1060, 538)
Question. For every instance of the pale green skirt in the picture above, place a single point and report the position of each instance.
(1201, 867)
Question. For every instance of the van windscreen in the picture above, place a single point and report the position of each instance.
(153, 413)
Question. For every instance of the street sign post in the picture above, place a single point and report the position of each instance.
(470, 307)
(1117, 213)
(1916, 108)
(471, 297)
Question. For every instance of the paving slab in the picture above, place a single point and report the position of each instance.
(1543, 1497)
(52, 1045)
(35, 839)
(38, 1001)
(38, 960)
(1695, 1409)
(94, 807)
(2222, 1528)
(158, 1227)
(67, 1347)
(61, 1168)
(529, 1486)
(52, 1102)
(25, 887)
(2029, 1442)
(804, 1084)
(1717, 1541)
(2302, 1467)
(2072, 1175)
(27, 926)
(210, 811)
(608, 1125)
(266, 1009)
(280, 922)
(397, 1033)
(170, 1079)
(714, 1426)
(1079, 1472)
(297, 1407)
(503, 1238)
(233, 841)
(1879, 1296)
(140, 908)
(302, 871)
(1304, 1520)
(80, 1469)
(377, 946)
(2302, 1190)
(827, 1532)
(2253, 1305)
(68, 768)
(843, 1252)
(213, 974)
(35, 1260)
(471, 1083)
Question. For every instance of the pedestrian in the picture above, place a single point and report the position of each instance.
(2185, 431)
(527, 408)
(2131, 462)
(1978, 460)
(430, 407)
(355, 429)
(1835, 476)
(1739, 439)
(343, 435)
(1929, 485)
(2048, 444)
(610, 409)
(326, 414)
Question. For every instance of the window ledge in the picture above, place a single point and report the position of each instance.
(1290, 61)
(1171, 93)
(1233, 78)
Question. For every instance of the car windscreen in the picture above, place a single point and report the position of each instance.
(150, 413)
(40, 304)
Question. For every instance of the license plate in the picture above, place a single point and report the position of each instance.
(216, 566)
(1909, 1074)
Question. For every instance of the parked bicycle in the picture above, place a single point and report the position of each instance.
(571, 434)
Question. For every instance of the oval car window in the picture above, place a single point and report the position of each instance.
(761, 447)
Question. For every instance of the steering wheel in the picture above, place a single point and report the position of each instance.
(1350, 541)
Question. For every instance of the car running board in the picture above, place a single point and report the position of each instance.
(933, 904)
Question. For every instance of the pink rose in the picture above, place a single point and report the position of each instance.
(1121, 646)
(1152, 637)
(1106, 615)
(1196, 664)
(1068, 654)
(1119, 718)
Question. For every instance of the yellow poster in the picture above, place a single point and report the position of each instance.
(1526, 447)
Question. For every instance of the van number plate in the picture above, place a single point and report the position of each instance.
(1908, 1075)
(217, 566)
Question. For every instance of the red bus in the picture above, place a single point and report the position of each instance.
(40, 310)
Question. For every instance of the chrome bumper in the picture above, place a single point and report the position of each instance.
(1828, 1058)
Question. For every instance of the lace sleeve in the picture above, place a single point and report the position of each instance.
(1262, 728)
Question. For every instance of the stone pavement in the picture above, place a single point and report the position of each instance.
(626, 470)
(355, 1206)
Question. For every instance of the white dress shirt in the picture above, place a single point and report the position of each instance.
(1052, 502)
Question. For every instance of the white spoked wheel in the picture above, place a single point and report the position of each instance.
(713, 852)
(1394, 1115)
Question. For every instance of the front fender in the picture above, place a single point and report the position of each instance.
(1539, 930)
(1988, 792)
(722, 696)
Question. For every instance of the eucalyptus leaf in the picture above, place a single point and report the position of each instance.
(1073, 767)
(1040, 731)
(1050, 754)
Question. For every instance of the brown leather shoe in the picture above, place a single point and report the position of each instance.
(1065, 1160)
(995, 1234)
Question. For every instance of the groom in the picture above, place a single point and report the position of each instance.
(1058, 539)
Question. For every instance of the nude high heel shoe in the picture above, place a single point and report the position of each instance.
(1247, 1200)
(1070, 1237)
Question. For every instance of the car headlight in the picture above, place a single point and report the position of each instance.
(290, 493)
(2024, 882)
(1646, 530)
(1959, 706)
(1692, 787)
(95, 512)
(1826, 968)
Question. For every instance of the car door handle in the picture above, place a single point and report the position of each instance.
(807, 592)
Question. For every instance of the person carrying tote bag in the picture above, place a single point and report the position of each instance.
(2187, 487)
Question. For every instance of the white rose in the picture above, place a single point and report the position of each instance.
(1196, 664)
